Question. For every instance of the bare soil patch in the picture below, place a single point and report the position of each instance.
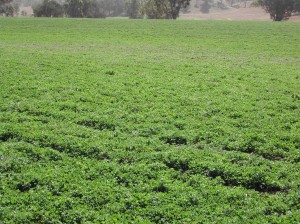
(257, 14)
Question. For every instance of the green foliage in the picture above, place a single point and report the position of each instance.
(134, 9)
(147, 121)
(85, 8)
(8, 8)
(49, 8)
(279, 9)
(164, 9)
(94, 8)
(74, 8)
(155, 9)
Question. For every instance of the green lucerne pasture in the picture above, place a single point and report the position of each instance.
(124, 121)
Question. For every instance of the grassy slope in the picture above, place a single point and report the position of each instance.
(149, 121)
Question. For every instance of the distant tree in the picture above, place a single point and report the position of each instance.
(164, 9)
(176, 5)
(156, 9)
(186, 9)
(134, 9)
(8, 7)
(205, 6)
(297, 6)
(49, 8)
(74, 8)
(114, 7)
(279, 9)
(85, 8)
(93, 9)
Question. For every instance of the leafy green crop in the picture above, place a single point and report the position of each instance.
(149, 121)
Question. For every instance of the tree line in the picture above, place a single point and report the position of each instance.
(279, 9)
(152, 9)
(155, 9)
(8, 7)
(79, 8)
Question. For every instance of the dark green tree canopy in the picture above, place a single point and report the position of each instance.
(49, 8)
(94, 8)
(176, 5)
(164, 9)
(74, 8)
(134, 9)
(8, 7)
(280, 9)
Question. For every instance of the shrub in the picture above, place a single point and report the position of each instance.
(49, 8)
